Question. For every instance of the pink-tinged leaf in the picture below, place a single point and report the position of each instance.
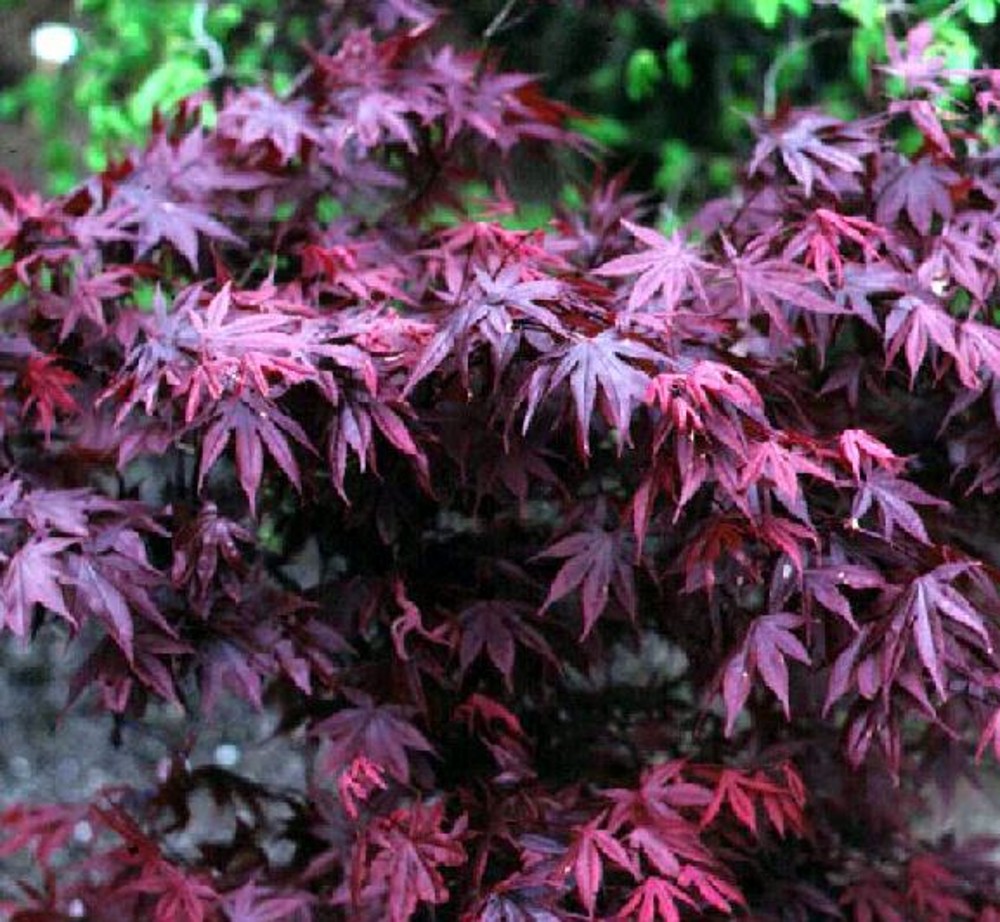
(894, 500)
(844, 669)
(768, 642)
(258, 123)
(913, 324)
(744, 792)
(770, 461)
(814, 148)
(655, 900)
(914, 63)
(791, 538)
(356, 784)
(591, 846)
(599, 372)
(257, 425)
(874, 900)
(990, 736)
(253, 903)
(412, 848)
(649, 842)
(43, 828)
(821, 243)
(718, 892)
(670, 267)
(774, 286)
(859, 449)
(484, 710)
(34, 575)
(98, 596)
(933, 891)
(921, 189)
(47, 390)
(598, 562)
(924, 608)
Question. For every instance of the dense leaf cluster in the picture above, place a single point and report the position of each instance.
(750, 455)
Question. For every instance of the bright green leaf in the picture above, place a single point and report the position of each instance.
(642, 73)
(981, 12)
(678, 66)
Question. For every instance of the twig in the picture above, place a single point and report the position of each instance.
(770, 102)
(498, 21)
(204, 41)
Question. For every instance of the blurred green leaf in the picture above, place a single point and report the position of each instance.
(166, 86)
(981, 12)
(604, 129)
(678, 66)
(676, 163)
(642, 74)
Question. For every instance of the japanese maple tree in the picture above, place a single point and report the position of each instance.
(755, 457)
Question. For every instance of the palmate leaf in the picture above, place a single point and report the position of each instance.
(261, 126)
(920, 188)
(894, 500)
(114, 587)
(656, 899)
(763, 652)
(814, 148)
(252, 903)
(592, 846)
(598, 563)
(380, 733)
(356, 419)
(599, 372)
(670, 267)
(36, 574)
(180, 896)
(413, 847)
(923, 610)
(913, 324)
(774, 285)
(256, 425)
(158, 216)
(492, 312)
(496, 628)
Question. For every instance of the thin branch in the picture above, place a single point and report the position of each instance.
(770, 102)
(206, 42)
(498, 22)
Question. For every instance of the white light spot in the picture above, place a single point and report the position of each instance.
(83, 832)
(786, 571)
(76, 909)
(54, 42)
(226, 755)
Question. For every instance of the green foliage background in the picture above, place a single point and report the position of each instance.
(666, 85)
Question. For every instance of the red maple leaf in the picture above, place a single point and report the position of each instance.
(763, 651)
(380, 733)
(46, 386)
(412, 848)
(670, 267)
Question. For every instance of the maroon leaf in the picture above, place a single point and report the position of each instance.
(497, 627)
(380, 733)
(763, 651)
(597, 372)
(670, 267)
(598, 562)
